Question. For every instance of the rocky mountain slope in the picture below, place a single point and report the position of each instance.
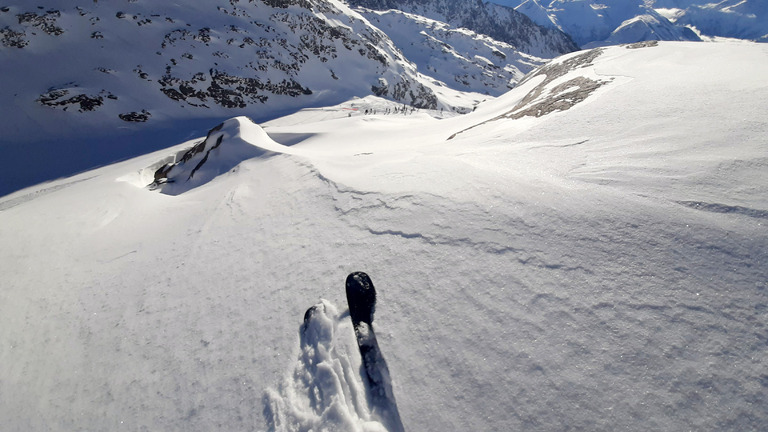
(499, 22)
(86, 64)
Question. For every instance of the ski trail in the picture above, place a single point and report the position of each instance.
(324, 389)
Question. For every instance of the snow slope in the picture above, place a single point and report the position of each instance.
(587, 251)
(459, 58)
(498, 22)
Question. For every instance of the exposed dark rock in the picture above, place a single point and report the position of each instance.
(134, 116)
(643, 44)
(45, 22)
(227, 90)
(287, 3)
(58, 98)
(558, 98)
(578, 89)
(164, 173)
(13, 39)
(414, 94)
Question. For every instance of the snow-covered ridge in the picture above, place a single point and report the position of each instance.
(457, 57)
(610, 22)
(499, 22)
(225, 147)
(606, 22)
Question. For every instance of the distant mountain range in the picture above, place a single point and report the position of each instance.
(86, 64)
(608, 22)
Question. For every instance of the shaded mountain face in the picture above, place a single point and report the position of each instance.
(499, 22)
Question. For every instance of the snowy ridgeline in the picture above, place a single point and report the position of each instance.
(608, 22)
(585, 252)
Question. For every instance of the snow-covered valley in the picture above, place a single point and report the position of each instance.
(586, 252)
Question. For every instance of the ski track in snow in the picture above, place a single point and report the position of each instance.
(324, 390)
(13, 202)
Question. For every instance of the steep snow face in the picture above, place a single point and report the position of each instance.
(575, 258)
(459, 58)
(500, 23)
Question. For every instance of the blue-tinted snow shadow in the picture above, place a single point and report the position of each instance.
(289, 139)
(29, 162)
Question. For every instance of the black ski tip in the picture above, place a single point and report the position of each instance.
(361, 297)
(310, 314)
(311, 311)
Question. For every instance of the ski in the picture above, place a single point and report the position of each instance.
(361, 297)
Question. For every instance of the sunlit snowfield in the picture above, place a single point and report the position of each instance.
(603, 266)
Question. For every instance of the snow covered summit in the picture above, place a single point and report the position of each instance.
(609, 22)
(225, 147)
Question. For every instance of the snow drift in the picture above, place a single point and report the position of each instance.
(225, 147)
